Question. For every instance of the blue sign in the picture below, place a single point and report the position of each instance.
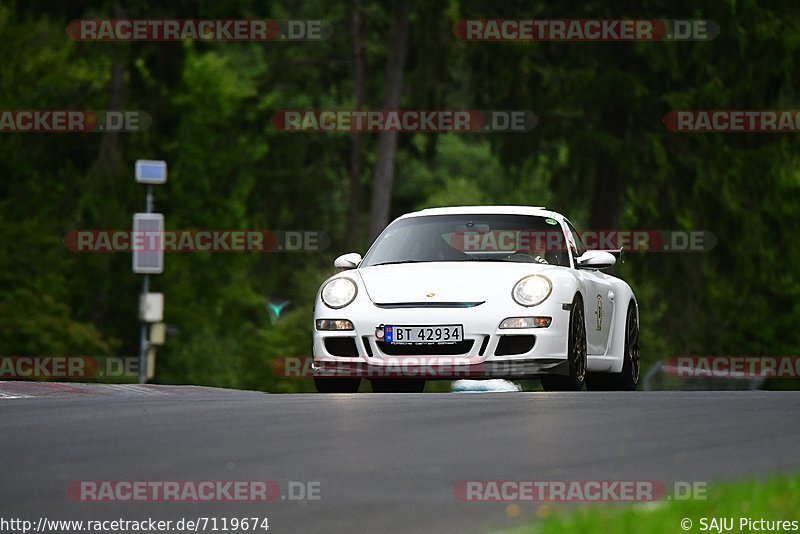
(151, 172)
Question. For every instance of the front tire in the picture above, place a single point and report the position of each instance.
(628, 378)
(576, 351)
(337, 385)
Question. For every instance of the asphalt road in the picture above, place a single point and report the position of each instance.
(384, 463)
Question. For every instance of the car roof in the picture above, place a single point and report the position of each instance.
(485, 210)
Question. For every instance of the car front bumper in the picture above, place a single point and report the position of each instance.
(486, 350)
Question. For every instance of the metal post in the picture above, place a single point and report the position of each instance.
(145, 290)
(143, 338)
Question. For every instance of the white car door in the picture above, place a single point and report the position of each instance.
(598, 297)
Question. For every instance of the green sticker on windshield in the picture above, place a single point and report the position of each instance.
(551, 221)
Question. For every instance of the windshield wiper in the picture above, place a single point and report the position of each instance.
(487, 259)
(398, 262)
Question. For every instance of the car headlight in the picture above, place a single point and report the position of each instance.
(532, 290)
(339, 292)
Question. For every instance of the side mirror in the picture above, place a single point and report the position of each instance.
(596, 259)
(347, 261)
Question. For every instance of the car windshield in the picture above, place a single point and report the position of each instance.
(508, 238)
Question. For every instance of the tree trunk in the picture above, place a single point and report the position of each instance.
(607, 197)
(387, 141)
(108, 165)
(609, 183)
(354, 197)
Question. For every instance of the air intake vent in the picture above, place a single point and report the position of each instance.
(367, 346)
(484, 345)
(341, 346)
(509, 345)
(462, 347)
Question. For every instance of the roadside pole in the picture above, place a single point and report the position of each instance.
(149, 258)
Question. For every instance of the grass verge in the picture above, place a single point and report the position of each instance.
(773, 499)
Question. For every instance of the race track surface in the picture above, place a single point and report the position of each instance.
(384, 463)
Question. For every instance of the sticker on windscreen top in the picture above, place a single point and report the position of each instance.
(388, 334)
(551, 221)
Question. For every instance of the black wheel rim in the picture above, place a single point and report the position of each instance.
(632, 342)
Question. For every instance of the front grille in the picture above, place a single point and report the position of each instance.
(509, 345)
(341, 346)
(462, 347)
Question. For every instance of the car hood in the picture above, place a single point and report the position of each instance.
(448, 281)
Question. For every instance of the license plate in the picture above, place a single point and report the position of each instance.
(438, 334)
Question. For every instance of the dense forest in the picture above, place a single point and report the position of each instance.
(600, 153)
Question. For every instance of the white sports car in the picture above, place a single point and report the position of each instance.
(478, 292)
